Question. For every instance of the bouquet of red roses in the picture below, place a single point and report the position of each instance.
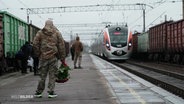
(63, 74)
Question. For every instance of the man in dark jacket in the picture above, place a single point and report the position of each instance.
(26, 53)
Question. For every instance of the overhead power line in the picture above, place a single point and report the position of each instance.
(88, 24)
(90, 8)
(22, 3)
(87, 8)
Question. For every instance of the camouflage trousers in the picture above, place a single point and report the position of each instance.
(45, 67)
(77, 57)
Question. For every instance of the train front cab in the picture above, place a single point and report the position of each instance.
(118, 54)
(117, 50)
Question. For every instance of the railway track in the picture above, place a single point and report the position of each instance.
(170, 81)
(169, 70)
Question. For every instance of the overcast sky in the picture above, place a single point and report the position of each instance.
(133, 18)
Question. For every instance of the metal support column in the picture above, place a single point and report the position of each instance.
(27, 15)
(143, 20)
(183, 8)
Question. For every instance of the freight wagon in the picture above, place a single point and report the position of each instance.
(175, 42)
(14, 32)
(166, 42)
(158, 41)
(32, 32)
(135, 42)
(140, 45)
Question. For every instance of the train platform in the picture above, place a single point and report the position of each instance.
(98, 82)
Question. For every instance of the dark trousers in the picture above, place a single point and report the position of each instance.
(18, 64)
(35, 67)
(24, 65)
(72, 54)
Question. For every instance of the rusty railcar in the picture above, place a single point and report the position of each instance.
(135, 42)
(166, 42)
(175, 41)
(158, 41)
(135, 45)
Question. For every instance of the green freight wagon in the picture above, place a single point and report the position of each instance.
(143, 42)
(32, 32)
(14, 32)
(143, 45)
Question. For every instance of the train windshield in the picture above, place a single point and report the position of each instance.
(118, 37)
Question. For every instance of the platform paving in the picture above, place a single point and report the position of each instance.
(86, 86)
(98, 82)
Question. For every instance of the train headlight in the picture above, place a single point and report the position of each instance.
(108, 46)
(129, 44)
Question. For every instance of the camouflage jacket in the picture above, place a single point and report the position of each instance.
(48, 44)
(77, 46)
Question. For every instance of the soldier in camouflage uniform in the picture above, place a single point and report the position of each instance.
(49, 46)
(78, 48)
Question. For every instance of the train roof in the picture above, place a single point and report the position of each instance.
(117, 27)
(11, 15)
(114, 26)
